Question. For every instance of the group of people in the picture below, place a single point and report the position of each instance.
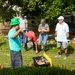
(20, 34)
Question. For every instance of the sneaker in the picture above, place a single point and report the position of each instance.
(58, 55)
(65, 57)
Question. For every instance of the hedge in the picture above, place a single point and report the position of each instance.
(36, 71)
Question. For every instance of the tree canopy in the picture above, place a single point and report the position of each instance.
(48, 9)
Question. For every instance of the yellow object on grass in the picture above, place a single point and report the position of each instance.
(47, 57)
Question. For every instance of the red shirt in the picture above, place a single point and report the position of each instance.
(31, 34)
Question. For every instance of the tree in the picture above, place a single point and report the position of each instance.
(48, 9)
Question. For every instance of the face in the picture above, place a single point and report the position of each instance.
(22, 16)
(17, 27)
(60, 21)
(43, 23)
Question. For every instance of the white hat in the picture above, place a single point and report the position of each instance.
(60, 18)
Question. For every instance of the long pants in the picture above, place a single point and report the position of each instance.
(16, 59)
(23, 39)
(43, 37)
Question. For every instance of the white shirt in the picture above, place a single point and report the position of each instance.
(23, 23)
(62, 30)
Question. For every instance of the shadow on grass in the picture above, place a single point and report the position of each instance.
(50, 46)
(70, 49)
(2, 43)
(37, 71)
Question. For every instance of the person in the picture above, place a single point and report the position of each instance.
(14, 43)
(62, 34)
(23, 24)
(43, 30)
(31, 37)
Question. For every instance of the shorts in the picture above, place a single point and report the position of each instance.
(63, 44)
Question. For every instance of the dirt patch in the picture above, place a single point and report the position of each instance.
(3, 29)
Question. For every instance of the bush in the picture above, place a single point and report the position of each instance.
(36, 71)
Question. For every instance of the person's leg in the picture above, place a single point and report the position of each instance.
(25, 45)
(18, 59)
(45, 37)
(34, 48)
(59, 49)
(40, 41)
(12, 55)
(65, 44)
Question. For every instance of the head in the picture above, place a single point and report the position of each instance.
(22, 15)
(14, 22)
(43, 21)
(25, 17)
(29, 38)
(60, 19)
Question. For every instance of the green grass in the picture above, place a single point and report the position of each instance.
(28, 55)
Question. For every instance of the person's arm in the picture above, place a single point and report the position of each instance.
(17, 33)
(40, 30)
(36, 46)
(55, 33)
(47, 30)
(56, 29)
(67, 30)
(67, 34)
(26, 24)
(35, 42)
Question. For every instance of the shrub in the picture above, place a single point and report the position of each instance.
(36, 71)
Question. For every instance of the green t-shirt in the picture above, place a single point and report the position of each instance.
(14, 43)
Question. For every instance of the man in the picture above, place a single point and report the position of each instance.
(23, 24)
(14, 43)
(62, 33)
(43, 36)
(31, 37)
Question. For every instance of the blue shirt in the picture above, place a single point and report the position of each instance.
(14, 43)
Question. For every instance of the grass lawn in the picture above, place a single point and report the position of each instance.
(28, 55)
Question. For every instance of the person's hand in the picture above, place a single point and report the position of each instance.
(36, 51)
(21, 30)
(43, 30)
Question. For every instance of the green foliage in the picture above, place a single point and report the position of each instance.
(36, 71)
(48, 9)
(54, 9)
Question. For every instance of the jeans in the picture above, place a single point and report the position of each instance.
(26, 48)
(43, 37)
(23, 39)
(16, 59)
